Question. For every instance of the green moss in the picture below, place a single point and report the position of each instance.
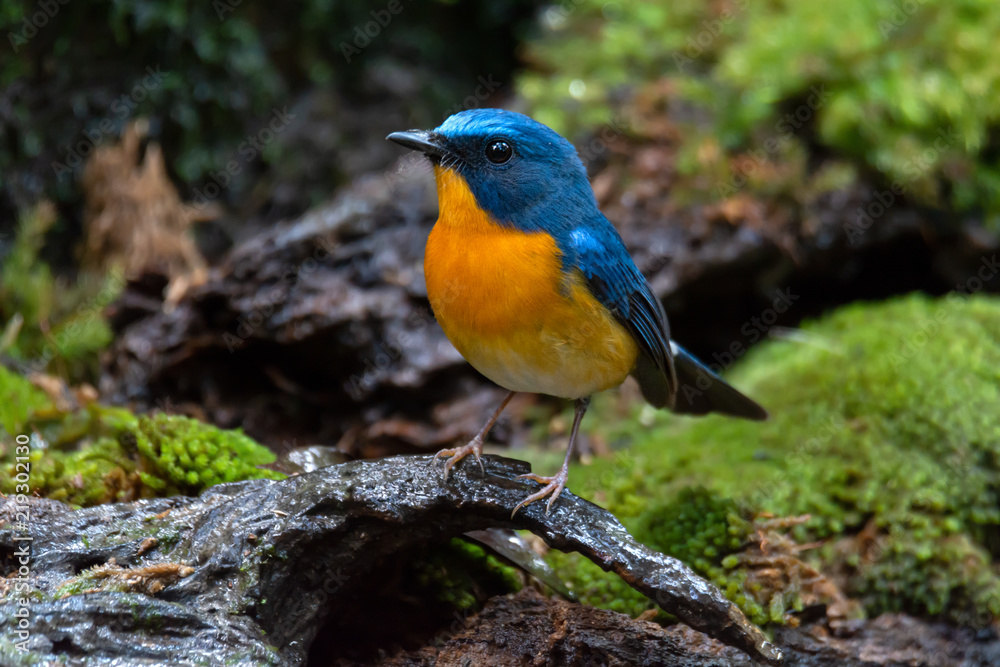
(595, 587)
(460, 575)
(930, 575)
(101, 454)
(704, 530)
(701, 528)
(187, 456)
(18, 400)
(50, 324)
(908, 90)
(11, 654)
(697, 526)
(90, 580)
(884, 419)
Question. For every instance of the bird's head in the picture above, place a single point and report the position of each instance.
(515, 167)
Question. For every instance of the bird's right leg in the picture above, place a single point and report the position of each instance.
(475, 446)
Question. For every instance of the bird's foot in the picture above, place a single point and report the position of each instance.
(553, 487)
(475, 447)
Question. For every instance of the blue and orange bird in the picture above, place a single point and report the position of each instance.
(534, 286)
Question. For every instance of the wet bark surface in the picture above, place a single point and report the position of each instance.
(250, 571)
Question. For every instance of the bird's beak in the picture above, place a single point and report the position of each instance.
(420, 140)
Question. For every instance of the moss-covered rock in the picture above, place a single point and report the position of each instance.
(884, 429)
(930, 575)
(751, 559)
(111, 578)
(97, 454)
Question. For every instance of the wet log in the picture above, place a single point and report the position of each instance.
(248, 572)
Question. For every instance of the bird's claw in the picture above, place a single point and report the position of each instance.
(456, 454)
(553, 487)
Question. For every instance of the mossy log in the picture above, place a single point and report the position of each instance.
(247, 572)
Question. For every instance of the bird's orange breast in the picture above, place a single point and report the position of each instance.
(505, 301)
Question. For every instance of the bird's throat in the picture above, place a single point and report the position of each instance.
(457, 205)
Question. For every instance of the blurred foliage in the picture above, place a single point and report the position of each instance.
(910, 89)
(19, 400)
(883, 429)
(209, 73)
(96, 454)
(52, 324)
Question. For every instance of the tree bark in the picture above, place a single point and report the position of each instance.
(249, 571)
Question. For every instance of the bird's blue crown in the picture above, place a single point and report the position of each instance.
(543, 184)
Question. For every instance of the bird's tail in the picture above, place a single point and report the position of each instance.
(699, 390)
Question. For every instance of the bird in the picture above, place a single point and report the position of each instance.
(534, 286)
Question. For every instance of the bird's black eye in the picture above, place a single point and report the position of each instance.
(499, 151)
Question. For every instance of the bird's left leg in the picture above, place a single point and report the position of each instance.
(475, 446)
(554, 485)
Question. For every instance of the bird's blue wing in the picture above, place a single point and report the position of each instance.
(612, 277)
